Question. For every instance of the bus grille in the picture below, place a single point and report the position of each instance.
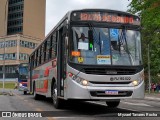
(102, 94)
(95, 82)
(110, 71)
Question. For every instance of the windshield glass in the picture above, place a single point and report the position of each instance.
(23, 70)
(105, 46)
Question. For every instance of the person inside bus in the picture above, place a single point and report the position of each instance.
(83, 38)
(83, 42)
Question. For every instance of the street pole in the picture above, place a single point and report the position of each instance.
(4, 71)
(5, 26)
(149, 76)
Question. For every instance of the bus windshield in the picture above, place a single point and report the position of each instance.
(105, 46)
(23, 70)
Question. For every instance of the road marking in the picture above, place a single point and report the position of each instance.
(51, 118)
(39, 109)
(133, 110)
(117, 107)
(138, 104)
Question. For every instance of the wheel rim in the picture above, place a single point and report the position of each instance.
(54, 95)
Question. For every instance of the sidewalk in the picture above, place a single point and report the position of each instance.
(6, 92)
(152, 96)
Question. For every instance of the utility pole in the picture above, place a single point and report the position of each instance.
(4, 71)
(5, 26)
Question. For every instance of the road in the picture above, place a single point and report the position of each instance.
(79, 110)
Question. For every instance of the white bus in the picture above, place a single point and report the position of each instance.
(91, 54)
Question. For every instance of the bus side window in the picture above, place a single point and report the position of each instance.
(50, 47)
(54, 45)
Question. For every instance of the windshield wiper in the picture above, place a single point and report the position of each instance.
(123, 37)
(97, 38)
(100, 42)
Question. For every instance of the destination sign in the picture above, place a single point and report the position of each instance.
(105, 17)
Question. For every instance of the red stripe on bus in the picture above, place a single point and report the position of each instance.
(35, 76)
(46, 72)
(41, 90)
(45, 87)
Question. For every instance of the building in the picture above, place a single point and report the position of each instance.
(22, 28)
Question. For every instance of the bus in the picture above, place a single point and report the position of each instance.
(90, 55)
(22, 77)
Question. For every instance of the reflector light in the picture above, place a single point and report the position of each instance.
(76, 53)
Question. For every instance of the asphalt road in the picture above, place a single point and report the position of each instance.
(79, 110)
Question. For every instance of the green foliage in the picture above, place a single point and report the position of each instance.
(7, 85)
(149, 11)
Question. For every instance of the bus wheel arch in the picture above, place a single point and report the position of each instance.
(36, 96)
(57, 102)
(52, 83)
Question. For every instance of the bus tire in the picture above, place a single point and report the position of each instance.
(57, 102)
(24, 92)
(113, 104)
(36, 96)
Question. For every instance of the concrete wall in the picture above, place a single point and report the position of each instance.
(34, 18)
(3, 17)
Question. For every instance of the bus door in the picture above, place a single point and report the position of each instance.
(61, 63)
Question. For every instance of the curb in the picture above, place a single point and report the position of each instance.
(152, 98)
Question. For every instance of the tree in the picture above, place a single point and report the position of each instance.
(149, 12)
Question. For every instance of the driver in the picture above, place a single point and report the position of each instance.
(83, 38)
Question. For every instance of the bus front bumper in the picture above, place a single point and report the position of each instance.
(23, 88)
(77, 91)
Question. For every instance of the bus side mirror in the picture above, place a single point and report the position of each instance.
(90, 39)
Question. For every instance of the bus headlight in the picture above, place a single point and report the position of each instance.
(84, 82)
(20, 84)
(135, 82)
(79, 80)
(139, 80)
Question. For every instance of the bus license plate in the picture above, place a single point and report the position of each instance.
(111, 92)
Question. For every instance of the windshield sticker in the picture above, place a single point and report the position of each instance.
(103, 59)
(114, 34)
(80, 59)
(115, 58)
(82, 46)
(76, 53)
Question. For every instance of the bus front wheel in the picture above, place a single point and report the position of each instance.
(113, 104)
(57, 102)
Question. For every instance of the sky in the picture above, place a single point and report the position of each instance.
(56, 9)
